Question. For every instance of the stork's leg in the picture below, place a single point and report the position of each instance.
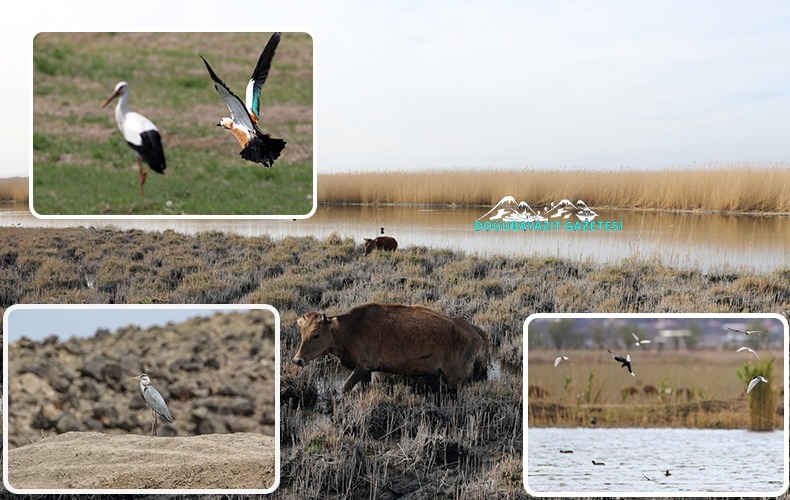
(143, 175)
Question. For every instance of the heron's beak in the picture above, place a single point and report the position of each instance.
(134, 378)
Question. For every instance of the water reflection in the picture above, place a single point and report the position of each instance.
(685, 240)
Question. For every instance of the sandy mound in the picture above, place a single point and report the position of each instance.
(91, 460)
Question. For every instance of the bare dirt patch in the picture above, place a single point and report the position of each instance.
(92, 460)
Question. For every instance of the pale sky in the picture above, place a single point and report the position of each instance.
(473, 84)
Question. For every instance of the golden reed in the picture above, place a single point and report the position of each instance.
(14, 189)
(729, 188)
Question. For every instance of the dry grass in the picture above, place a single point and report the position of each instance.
(673, 389)
(719, 188)
(14, 189)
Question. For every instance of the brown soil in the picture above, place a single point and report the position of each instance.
(92, 460)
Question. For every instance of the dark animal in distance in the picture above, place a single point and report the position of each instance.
(395, 338)
(380, 243)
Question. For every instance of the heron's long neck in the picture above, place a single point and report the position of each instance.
(121, 109)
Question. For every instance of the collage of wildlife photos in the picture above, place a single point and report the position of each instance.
(194, 304)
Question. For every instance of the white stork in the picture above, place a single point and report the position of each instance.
(243, 122)
(140, 133)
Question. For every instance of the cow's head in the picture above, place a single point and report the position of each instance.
(370, 244)
(317, 339)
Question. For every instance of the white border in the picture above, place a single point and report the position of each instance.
(203, 307)
(773, 316)
(169, 217)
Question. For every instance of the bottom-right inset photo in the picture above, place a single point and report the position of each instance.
(656, 405)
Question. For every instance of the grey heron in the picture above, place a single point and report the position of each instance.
(153, 399)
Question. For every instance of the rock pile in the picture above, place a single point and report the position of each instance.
(217, 374)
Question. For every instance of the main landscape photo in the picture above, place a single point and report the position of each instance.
(481, 250)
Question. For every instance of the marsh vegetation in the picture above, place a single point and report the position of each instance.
(729, 188)
(14, 189)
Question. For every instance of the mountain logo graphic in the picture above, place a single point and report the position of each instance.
(508, 210)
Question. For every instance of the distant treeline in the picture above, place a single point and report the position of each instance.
(14, 189)
(728, 188)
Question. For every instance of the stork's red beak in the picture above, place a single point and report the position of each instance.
(113, 96)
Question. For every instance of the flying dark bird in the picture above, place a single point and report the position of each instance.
(744, 348)
(244, 119)
(626, 361)
(598, 463)
(140, 133)
(756, 380)
(640, 342)
(559, 360)
(154, 400)
(667, 473)
(566, 451)
(747, 332)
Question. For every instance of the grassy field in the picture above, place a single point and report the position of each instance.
(734, 188)
(82, 165)
(673, 389)
(14, 189)
(387, 437)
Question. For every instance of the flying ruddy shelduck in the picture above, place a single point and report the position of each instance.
(744, 348)
(640, 342)
(140, 133)
(747, 332)
(243, 122)
(560, 359)
(626, 361)
(756, 380)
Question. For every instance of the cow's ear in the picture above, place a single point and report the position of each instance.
(300, 321)
(367, 239)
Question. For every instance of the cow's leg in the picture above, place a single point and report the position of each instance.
(357, 375)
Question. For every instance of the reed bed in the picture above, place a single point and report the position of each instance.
(732, 188)
(14, 189)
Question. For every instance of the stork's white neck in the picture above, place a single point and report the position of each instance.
(121, 110)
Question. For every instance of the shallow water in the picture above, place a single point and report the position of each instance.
(699, 460)
(693, 241)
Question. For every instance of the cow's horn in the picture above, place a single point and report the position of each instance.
(324, 319)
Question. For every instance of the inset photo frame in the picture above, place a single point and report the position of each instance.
(141, 398)
(173, 125)
(632, 405)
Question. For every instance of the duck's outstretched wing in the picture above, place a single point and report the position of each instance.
(258, 78)
(238, 111)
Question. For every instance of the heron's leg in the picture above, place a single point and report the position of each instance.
(153, 425)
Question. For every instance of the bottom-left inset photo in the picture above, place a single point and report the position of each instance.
(116, 399)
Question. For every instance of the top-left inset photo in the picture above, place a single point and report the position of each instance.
(173, 125)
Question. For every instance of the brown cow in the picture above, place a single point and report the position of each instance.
(394, 338)
(380, 243)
